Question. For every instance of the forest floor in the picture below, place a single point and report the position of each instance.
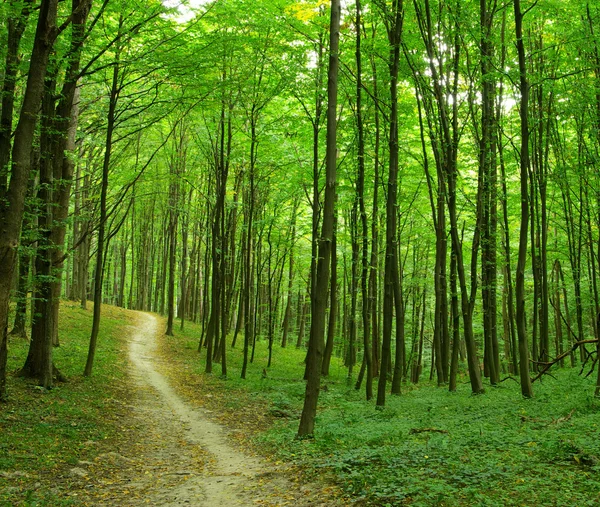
(180, 455)
(184, 457)
(150, 427)
(142, 431)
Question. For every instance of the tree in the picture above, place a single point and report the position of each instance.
(57, 143)
(319, 301)
(393, 19)
(526, 388)
(11, 208)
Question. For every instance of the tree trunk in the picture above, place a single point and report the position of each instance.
(16, 24)
(174, 176)
(360, 190)
(526, 388)
(395, 22)
(99, 272)
(333, 305)
(12, 206)
(487, 165)
(319, 302)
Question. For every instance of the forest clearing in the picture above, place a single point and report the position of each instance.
(372, 229)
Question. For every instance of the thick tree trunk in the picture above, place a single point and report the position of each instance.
(12, 206)
(16, 24)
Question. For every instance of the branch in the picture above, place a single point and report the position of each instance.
(548, 365)
(426, 430)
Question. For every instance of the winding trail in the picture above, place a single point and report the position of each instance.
(229, 474)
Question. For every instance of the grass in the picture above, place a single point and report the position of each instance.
(428, 447)
(43, 434)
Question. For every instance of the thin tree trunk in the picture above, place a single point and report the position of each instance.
(360, 189)
(99, 273)
(333, 305)
(526, 388)
(319, 302)
(395, 22)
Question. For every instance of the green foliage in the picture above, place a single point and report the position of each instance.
(42, 434)
(493, 450)
(427, 447)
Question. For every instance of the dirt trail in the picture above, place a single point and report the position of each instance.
(229, 471)
(183, 457)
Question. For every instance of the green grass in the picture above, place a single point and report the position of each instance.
(491, 450)
(496, 449)
(44, 433)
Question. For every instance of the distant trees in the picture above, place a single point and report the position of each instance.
(199, 182)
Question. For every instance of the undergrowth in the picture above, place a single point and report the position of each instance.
(43, 434)
(428, 447)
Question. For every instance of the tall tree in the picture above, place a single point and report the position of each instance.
(115, 89)
(12, 205)
(393, 17)
(57, 143)
(526, 388)
(319, 301)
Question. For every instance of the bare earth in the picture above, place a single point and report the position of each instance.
(177, 455)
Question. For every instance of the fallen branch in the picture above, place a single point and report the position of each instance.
(426, 430)
(564, 418)
(542, 425)
(549, 364)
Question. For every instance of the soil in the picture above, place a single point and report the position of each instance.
(175, 452)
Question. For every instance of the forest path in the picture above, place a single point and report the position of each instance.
(182, 457)
(227, 472)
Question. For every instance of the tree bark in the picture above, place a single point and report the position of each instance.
(12, 206)
(16, 24)
(360, 190)
(333, 305)
(395, 19)
(526, 388)
(319, 302)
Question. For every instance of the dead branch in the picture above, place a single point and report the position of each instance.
(564, 418)
(547, 365)
(414, 431)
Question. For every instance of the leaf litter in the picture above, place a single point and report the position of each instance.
(176, 452)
